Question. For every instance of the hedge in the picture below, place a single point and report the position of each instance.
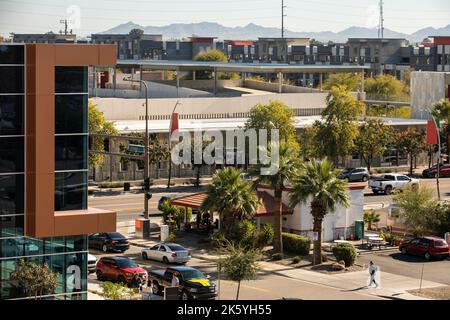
(345, 252)
(296, 244)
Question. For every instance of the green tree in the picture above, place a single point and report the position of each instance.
(275, 115)
(371, 217)
(338, 130)
(288, 165)
(230, 196)
(373, 138)
(214, 56)
(439, 219)
(385, 85)
(441, 111)
(98, 125)
(136, 33)
(239, 264)
(319, 184)
(34, 279)
(412, 142)
(309, 143)
(349, 80)
(415, 204)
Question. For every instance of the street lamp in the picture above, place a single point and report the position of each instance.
(147, 194)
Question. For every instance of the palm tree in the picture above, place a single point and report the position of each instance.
(371, 217)
(231, 196)
(318, 183)
(287, 168)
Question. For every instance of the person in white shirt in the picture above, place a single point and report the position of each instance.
(374, 272)
(175, 280)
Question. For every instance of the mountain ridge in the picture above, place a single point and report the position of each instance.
(252, 31)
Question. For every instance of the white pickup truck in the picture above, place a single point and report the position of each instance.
(388, 182)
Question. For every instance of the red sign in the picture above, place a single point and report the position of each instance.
(432, 133)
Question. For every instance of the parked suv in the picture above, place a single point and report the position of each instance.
(444, 171)
(109, 241)
(355, 174)
(120, 269)
(427, 247)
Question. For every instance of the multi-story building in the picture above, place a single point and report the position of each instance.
(49, 37)
(277, 49)
(442, 52)
(44, 214)
(132, 46)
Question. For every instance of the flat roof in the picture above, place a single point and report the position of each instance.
(162, 126)
(188, 65)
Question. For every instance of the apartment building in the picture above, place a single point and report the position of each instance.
(44, 213)
(48, 37)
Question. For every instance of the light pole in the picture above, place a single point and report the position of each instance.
(147, 194)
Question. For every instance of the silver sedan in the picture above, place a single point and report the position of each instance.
(167, 253)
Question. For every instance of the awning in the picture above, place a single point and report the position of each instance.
(267, 207)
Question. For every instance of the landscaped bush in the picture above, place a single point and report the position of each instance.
(296, 244)
(277, 256)
(265, 236)
(109, 185)
(296, 260)
(345, 252)
(217, 239)
(247, 233)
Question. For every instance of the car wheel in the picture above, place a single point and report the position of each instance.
(121, 279)
(388, 190)
(404, 251)
(364, 179)
(144, 256)
(100, 276)
(165, 260)
(427, 256)
(185, 295)
(375, 192)
(155, 288)
(105, 248)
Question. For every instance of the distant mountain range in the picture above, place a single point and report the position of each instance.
(253, 32)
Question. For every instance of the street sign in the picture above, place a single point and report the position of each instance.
(136, 148)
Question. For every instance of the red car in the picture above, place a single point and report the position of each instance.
(427, 247)
(120, 269)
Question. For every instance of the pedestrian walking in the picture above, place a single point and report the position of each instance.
(374, 275)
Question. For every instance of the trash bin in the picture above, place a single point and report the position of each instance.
(359, 229)
(126, 186)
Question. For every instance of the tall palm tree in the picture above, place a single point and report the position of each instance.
(287, 168)
(318, 183)
(231, 196)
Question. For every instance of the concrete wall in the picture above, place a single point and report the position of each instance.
(273, 87)
(131, 109)
(206, 85)
(427, 88)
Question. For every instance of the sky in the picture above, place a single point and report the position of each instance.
(40, 16)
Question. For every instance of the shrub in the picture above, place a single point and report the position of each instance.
(265, 236)
(247, 233)
(296, 260)
(108, 185)
(172, 236)
(296, 244)
(345, 252)
(218, 239)
(324, 257)
(277, 256)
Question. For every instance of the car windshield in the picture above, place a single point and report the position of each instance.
(440, 243)
(126, 263)
(175, 247)
(192, 274)
(347, 170)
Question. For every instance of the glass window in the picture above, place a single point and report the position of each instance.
(11, 226)
(11, 54)
(11, 79)
(11, 194)
(54, 245)
(71, 152)
(70, 191)
(11, 155)
(71, 79)
(76, 243)
(71, 113)
(11, 115)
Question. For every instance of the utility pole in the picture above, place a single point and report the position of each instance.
(282, 18)
(381, 23)
(65, 22)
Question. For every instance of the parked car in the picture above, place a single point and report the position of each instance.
(427, 247)
(193, 283)
(109, 241)
(120, 269)
(166, 198)
(444, 171)
(167, 253)
(355, 174)
(393, 181)
(92, 261)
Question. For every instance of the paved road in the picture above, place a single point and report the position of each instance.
(410, 266)
(267, 287)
